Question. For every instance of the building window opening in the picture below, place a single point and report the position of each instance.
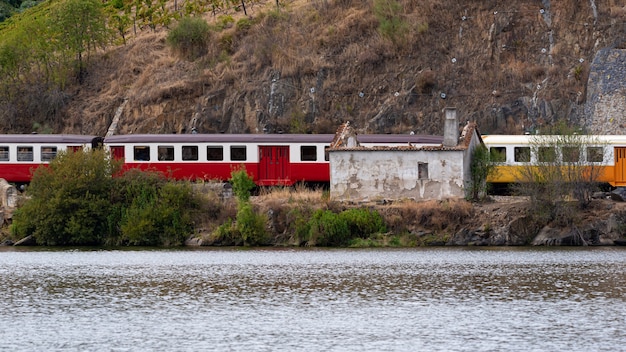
(422, 171)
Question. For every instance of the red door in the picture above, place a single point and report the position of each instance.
(274, 165)
(117, 152)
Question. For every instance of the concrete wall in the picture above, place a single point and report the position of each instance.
(366, 175)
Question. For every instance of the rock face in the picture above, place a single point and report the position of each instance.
(508, 65)
(510, 225)
(8, 197)
(606, 93)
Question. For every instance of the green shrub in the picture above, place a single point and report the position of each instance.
(391, 25)
(190, 37)
(328, 229)
(227, 234)
(251, 226)
(242, 184)
(225, 21)
(244, 24)
(69, 200)
(299, 225)
(152, 210)
(363, 222)
(76, 201)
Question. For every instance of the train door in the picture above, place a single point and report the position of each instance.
(273, 165)
(117, 152)
(620, 166)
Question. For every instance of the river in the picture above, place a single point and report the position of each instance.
(425, 299)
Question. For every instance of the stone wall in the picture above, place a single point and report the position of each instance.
(605, 109)
(372, 175)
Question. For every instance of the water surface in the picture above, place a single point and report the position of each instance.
(444, 299)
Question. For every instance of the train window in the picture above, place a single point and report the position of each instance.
(422, 171)
(308, 153)
(4, 153)
(166, 153)
(522, 154)
(570, 154)
(24, 153)
(190, 152)
(546, 154)
(595, 154)
(48, 153)
(497, 154)
(141, 153)
(214, 153)
(326, 153)
(238, 153)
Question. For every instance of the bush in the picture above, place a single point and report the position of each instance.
(251, 226)
(242, 184)
(76, 201)
(363, 222)
(151, 210)
(391, 25)
(190, 37)
(328, 229)
(69, 200)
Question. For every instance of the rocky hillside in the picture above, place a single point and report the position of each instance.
(310, 65)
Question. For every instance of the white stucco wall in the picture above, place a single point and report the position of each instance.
(365, 175)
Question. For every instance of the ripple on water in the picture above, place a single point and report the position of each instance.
(308, 300)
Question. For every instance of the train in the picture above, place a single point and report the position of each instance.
(287, 159)
(605, 154)
(270, 159)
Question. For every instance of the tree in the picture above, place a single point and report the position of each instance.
(480, 169)
(79, 28)
(561, 167)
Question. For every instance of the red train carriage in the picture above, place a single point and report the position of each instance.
(20, 154)
(278, 159)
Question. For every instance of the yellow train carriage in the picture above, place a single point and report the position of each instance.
(604, 155)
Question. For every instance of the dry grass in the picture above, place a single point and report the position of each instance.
(296, 194)
(432, 215)
(335, 45)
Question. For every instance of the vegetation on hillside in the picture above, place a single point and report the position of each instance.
(291, 66)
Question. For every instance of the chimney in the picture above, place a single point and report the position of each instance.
(451, 128)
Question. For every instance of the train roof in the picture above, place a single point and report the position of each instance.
(529, 139)
(266, 138)
(47, 138)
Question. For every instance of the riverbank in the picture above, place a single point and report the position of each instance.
(498, 221)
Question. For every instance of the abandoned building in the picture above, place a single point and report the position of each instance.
(414, 171)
